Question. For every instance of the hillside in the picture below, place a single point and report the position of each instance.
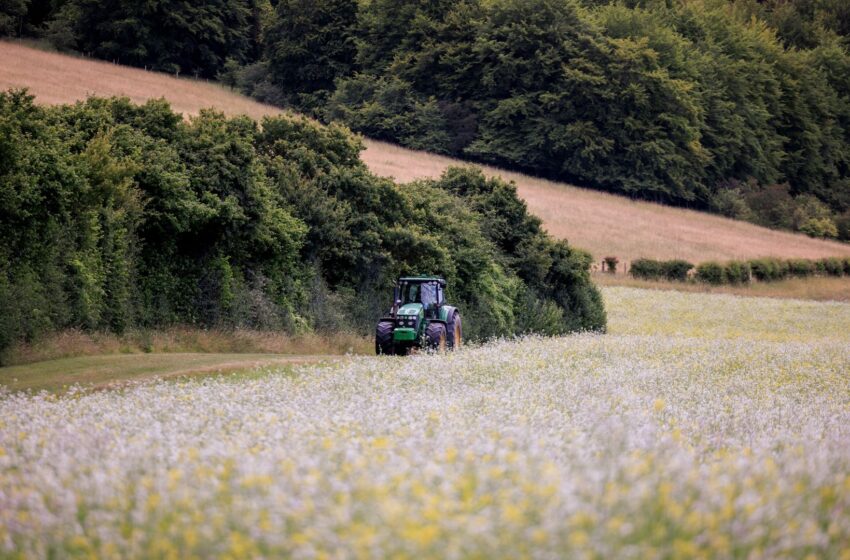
(601, 223)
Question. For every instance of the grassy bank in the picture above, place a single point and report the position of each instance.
(74, 343)
(115, 370)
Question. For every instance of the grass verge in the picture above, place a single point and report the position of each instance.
(75, 343)
(109, 371)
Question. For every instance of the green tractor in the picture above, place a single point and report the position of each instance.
(419, 318)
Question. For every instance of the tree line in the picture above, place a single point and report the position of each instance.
(115, 216)
(740, 107)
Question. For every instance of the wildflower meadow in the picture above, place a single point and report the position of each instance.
(699, 426)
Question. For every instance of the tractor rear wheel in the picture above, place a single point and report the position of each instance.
(384, 338)
(436, 337)
(454, 334)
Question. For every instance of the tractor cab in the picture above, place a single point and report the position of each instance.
(427, 292)
(419, 318)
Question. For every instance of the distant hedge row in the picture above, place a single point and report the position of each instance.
(739, 272)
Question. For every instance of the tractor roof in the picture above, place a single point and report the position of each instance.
(442, 281)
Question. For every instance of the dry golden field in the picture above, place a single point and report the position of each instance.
(601, 223)
(817, 288)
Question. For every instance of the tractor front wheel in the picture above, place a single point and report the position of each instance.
(384, 338)
(436, 337)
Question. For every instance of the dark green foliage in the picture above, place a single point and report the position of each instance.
(545, 270)
(735, 106)
(742, 272)
(832, 266)
(12, 16)
(389, 109)
(736, 272)
(189, 37)
(648, 269)
(670, 101)
(308, 46)
(676, 270)
(842, 226)
(801, 268)
(711, 273)
(768, 269)
(117, 216)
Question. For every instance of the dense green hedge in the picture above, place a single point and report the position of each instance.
(115, 216)
(648, 269)
(740, 272)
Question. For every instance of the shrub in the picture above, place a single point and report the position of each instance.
(711, 273)
(832, 266)
(610, 264)
(646, 269)
(842, 225)
(676, 270)
(847, 266)
(737, 272)
(801, 268)
(819, 227)
(769, 269)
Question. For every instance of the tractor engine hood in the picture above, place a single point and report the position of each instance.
(410, 310)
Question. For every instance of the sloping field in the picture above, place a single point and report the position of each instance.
(601, 223)
(703, 426)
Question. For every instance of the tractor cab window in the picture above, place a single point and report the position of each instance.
(429, 294)
(410, 293)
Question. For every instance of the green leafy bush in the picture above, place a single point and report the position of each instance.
(832, 266)
(711, 273)
(801, 268)
(737, 272)
(769, 269)
(672, 270)
(676, 270)
(646, 269)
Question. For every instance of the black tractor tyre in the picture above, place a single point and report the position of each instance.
(435, 336)
(454, 332)
(384, 338)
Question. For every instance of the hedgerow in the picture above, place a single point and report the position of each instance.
(741, 272)
(116, 215)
